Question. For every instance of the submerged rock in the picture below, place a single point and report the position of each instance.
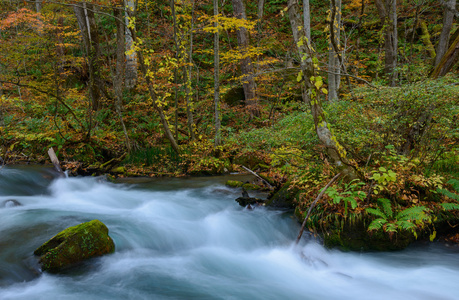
(244, 201)
(11, 203)
(74, 245)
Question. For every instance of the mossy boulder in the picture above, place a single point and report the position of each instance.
(234, 183)
(285, 197)
(75, 245)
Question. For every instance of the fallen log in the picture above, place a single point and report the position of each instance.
(55, 161)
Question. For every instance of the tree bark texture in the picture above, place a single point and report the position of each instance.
(334, 149)
(260, 9)
(449, 59)
(387, 10)
(119, 72)
(334, 65)
(307, 19)
(217, 77)
(188, 73)
(84, 13)
(131, 58)
(448, 17)
(248, 83)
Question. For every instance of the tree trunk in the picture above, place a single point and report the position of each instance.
(312, 84)
(334, 65)
(88, 29)
(425, 37)
(38, 5)
(131, 57)
(120, 62)
(387, 10)
(188, 74)
(217, 77)
(448, 17)
(449, 59)
(248, 82)
(260, 7)
(307, 19)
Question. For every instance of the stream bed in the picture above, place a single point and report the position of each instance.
(188, 239)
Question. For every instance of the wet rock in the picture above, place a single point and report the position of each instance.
(244, 201)
(11, 203)
(75, 245)
(286, 197)
(234, 183)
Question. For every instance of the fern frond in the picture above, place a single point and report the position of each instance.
(386, 206)
(412, 213)
(405, 225)
(391, 227)
(454, 183)
(449, 194)
(377, 212)
(450, 206)
(377, 224)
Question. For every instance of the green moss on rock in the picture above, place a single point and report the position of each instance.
(251, 187)
(74, 245)
(234, 183)
(286, 197)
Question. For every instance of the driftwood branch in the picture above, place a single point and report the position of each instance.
(313, 204)
(55, 161)
(258, 176)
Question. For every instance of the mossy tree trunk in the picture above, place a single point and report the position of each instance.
(313, 83)
(448, 17)
(449, 59)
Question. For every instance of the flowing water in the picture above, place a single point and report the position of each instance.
(189, 239)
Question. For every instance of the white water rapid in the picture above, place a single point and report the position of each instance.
(189, 239)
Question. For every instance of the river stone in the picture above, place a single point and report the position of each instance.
(74, 245)
(11, 203)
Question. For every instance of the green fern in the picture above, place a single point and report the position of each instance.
(408, 219)
(415, 213)
(377, 212)
(450, 206)
(386, 206)
(449, 194)
(454, 183)
(377, 224)
(406, 225)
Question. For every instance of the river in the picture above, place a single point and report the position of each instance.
(189, 239)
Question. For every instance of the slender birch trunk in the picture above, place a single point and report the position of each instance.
(334, 66)
(217, 76)
(312, 80)
(131, 56)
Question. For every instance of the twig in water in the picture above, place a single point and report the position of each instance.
(313, 204)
